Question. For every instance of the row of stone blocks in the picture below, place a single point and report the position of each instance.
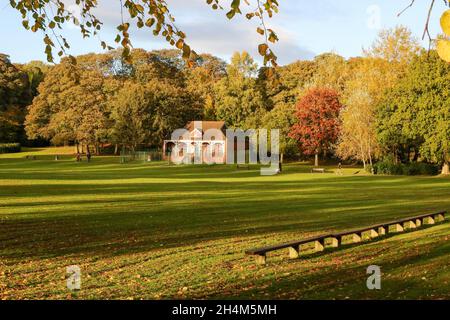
(334, 241)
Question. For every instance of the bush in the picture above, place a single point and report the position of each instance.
(428, 169)
(411, 169)
(9, 147)
(387, 167)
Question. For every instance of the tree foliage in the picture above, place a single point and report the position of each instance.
(317, 121)
(414, 118)
(91, 101)
(237, 95)
(14, 96)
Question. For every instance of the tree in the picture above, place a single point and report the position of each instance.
(51, 17)
(237, 95)
(287, 83)
(358, 136)
(416, 111)
(171, 107)
(71, 105)
(317, 122)
(281, 117)
(201, 79)
(364, 90)
(331, 71)
(131, 116)
(397, 46)
(369, 77)
(14, 96)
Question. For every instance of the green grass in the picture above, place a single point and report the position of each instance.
(155, 231)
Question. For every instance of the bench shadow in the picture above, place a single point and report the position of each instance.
(347, 246)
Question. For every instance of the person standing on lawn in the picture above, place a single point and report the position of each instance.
(88, 155)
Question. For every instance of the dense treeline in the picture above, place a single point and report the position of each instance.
(391, 105)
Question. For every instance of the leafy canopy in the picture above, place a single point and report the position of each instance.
(317, 121)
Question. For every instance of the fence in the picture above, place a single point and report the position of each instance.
(140, 156)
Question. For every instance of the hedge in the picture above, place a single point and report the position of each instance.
(409, 169)
(9, 147)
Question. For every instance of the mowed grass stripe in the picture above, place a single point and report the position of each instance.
(151, 230)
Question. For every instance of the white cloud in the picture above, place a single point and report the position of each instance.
(210, 31)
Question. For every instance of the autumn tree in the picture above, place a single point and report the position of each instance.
(35, 71)
(70, 106)
(14, 96)
(397, 45)
(285, 84)
(358, 139)
(364, 90)
(201, 80)
(331, 71)
(317, 122)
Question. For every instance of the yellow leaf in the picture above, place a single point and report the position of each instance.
(443, 49)
(445, 22)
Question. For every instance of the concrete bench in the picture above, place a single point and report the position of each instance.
(317, 170)
(294, 248)
(357, 235)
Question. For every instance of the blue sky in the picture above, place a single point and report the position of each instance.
(305, 28)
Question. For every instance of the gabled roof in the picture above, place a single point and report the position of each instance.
(205, 125)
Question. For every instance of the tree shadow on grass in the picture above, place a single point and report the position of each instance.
(138, 217)
(348, 279)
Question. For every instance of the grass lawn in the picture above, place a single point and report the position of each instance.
(153, 231)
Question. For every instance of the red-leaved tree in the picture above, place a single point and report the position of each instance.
(317, 117)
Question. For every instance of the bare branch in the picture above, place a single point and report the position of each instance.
(409, 6)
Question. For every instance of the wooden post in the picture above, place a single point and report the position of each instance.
(382, 231)
(398, 227)
(428, 220)
(294, 252)
(318, 245)
(356, 238)
(409, 225)
(335, 242)
(261, 259)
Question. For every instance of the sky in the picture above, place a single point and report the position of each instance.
(305, 28)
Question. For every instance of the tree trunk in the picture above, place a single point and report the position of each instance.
(77, 147)
(446, 169)
(316, 159)
(280, 166)
(116, 149)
